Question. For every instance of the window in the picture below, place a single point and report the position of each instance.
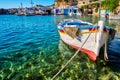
(83, 2)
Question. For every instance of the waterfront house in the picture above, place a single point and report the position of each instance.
(48, 10)
(60, 6)
(66, 7)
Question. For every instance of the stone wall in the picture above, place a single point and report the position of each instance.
(61, 5)
(72, 2)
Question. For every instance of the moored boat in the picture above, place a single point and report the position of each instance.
(114, 16)
(30, 12)
(21, 11)
(84, 36)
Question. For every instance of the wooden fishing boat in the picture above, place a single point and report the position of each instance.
(30, 12)
(20, 12)
(84, 36)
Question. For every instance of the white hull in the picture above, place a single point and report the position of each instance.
(97, 38)
(90, 45)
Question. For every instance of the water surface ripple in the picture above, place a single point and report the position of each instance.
(31, 49)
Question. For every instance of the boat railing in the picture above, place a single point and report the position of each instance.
(70, 19)
(70, 25)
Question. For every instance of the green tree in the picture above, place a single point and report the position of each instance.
(61, 0)
(66, 0)
(110, 4)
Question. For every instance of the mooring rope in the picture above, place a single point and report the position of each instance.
(105, 49)
(69, 59)
(72, 56)
(106, 55)
(112, 61)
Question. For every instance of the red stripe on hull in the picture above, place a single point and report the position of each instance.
(90, 30)
(97, 29)
(61, 31)
(91, 54)
(94, 29)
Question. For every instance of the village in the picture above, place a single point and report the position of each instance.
(65, 7)
(59, 39)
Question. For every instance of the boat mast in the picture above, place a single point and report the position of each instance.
(31, 3)
(21, 5)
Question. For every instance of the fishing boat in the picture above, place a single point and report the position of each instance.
(114, 16)
(30, 12)
(84, 36)
(20, 11)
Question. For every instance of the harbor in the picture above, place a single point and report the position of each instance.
(71, 7)
(32, 52)
(31, 47)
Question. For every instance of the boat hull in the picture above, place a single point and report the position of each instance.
(90, 46)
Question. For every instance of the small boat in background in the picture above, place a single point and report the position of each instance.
(21, 11)
(30, 12)
(84, 36)
(114, 16)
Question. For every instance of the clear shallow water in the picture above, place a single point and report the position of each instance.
(30, 48)
(19, 33)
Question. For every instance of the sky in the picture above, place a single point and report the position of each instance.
(26, 3)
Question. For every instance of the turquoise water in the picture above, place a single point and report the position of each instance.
(31, 49)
